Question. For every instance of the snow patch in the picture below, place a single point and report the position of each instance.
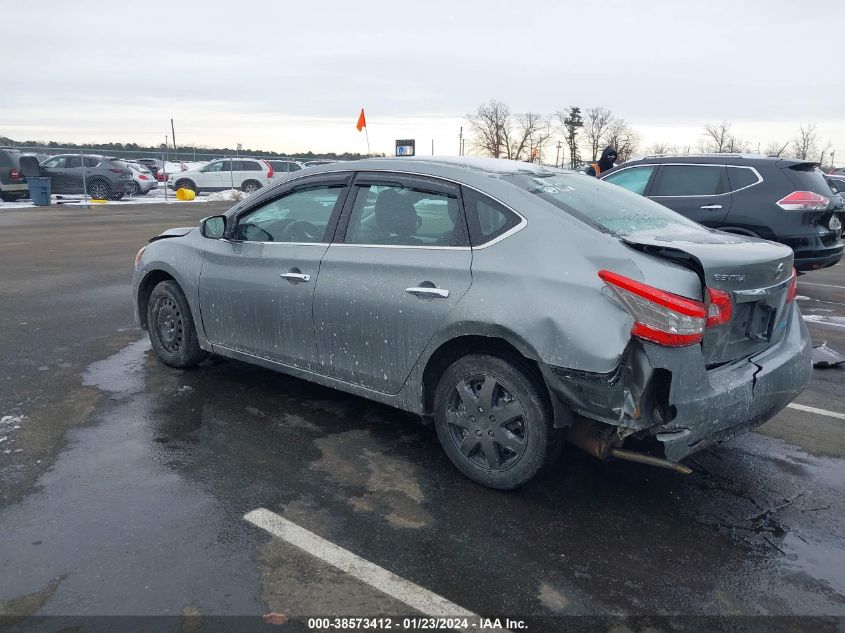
(230, 195)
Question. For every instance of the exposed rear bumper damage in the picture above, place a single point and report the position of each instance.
(667, 394)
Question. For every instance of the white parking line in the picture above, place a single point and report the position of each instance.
(825, 412)
(809, 283)
(416, 597)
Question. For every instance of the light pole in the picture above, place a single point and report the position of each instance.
(557, 155)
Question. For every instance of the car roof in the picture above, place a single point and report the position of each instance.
(490, 166)
(722, 159)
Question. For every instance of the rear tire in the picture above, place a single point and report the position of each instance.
(495, 421)
(133, 189)
(99, 190)
(186, 184)
(171, 327)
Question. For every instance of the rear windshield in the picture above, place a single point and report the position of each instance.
(604, 206)
(808, 177)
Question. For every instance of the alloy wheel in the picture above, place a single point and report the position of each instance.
(99, 191)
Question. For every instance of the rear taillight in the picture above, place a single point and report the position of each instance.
(116, 170)
(793, 288)
(720, 309)
(659, 316)
(803, 201)
(14, 174)
(269, 169)
(142, 177)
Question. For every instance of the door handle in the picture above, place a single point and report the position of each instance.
(423, 291)
(712, 206)
(295, 276)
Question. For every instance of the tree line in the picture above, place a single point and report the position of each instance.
(183, 152)
(498, 132)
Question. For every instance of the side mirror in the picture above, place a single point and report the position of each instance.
(213, 227)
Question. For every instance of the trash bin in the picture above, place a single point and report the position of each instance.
(39, 191)
(39, 186)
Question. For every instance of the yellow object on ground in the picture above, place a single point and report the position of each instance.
(98, 201)
(185, 194)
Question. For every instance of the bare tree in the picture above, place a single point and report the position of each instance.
(491, 127)
(827, 148)
(662, 148)
(735, 145)
(717, 136)
(804, 145)
(527, 132)
(623, 138)
(776, 148)
(596, 122)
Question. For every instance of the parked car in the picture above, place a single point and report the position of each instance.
(100, 177)
(837, 183)
(518, 305)
(142, 180)
(12, 185)
(319, 161)
(248, 175)
(152, 164)
(780, 199)
(283, 167)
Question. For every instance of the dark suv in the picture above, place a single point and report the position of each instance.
(780, 199)
(12, 184)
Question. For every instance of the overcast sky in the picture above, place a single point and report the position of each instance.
(292, 76)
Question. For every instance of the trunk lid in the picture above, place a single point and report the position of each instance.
(756, 273)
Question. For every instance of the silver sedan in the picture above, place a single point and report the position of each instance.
(519, 306)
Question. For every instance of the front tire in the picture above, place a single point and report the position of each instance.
(186, 184)
(171, 327)
(495, 421)
(250, 187)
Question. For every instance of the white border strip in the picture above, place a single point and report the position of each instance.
(825, 412)
(405, 591)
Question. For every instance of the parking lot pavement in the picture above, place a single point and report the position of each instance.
(127, 483)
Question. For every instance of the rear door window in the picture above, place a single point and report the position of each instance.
(392, 214)
(690, 180)
(633, 179)
(250, 165)
(486, 218)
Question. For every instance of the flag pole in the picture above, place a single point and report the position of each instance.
(367, 132)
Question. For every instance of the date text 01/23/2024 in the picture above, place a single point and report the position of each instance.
(416, 624)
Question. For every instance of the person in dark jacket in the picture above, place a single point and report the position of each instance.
(608, 157)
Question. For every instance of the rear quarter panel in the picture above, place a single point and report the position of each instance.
(541, 286)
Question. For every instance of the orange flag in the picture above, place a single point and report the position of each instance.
(362, 122)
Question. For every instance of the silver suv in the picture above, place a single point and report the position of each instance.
(100, 177)
(519, 306)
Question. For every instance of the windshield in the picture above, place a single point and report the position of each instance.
(604, 206)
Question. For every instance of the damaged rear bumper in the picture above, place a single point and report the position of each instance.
(668, 393)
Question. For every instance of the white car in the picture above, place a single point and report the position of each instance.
(282, 167)
(246, 174)
(142, 180)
